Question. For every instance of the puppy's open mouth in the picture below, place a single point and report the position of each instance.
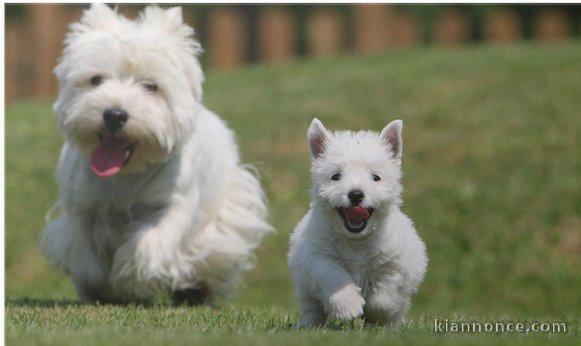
(112, 154)
(355, 217)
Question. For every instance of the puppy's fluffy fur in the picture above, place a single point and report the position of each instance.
(356, 254)
(181, 215)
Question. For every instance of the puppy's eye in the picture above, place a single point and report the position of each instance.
(96, 80)
(336, 177)
(376, 177)
(151, 87)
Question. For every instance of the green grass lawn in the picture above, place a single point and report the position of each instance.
(492, 176)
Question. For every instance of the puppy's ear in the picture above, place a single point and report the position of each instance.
(318, 137)
(391, 137)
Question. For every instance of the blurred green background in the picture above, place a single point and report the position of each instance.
(492, 168)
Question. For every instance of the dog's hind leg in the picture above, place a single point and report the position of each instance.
(199, 295)
(95, 294)
(312, 313)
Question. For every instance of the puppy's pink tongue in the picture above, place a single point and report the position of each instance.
(107, 160)
(356, 215)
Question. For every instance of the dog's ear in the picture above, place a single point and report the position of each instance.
(318, 137)
(170, 20)
(175, 16)
(392, 138)
(100, 16)
(171, 24)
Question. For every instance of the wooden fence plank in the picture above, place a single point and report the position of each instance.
(34, 40)
(451, 27)
(189, 18)
(502, 26)
(129, 10)
(372, 28)
(48, 27)
(552, 25)
(408, 30)
(276, 34)
(227, 41)
(12, 57)
(325, 35)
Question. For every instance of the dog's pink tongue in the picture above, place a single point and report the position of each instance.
(107, 160)
(356, 215)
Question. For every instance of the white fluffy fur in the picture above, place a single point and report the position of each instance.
(345, 275)
(183, 213)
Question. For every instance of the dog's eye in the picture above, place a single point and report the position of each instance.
(96, 80)
(376, 177)
(151, 87)
(336, 176)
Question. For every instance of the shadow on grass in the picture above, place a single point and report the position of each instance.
(44, 303)
(52, 303)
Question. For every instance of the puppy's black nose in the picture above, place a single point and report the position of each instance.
(356, 196)
(115, 118)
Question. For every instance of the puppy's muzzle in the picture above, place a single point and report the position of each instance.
(356, 196)
(355, 216)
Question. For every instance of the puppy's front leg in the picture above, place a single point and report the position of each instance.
(388, 302)
(341, 296)
(149, 261)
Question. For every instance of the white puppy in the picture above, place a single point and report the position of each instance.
(355, 253)
(152, 195)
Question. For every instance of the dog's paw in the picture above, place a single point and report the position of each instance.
(346, 304)
(312, 319)
(307, 323)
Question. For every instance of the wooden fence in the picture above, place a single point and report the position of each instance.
(233, 35)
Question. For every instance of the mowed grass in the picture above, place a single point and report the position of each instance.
(492, 176)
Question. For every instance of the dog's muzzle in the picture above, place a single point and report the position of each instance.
(112, 154)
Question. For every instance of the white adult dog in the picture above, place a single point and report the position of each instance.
(152, 195)
(355, 253)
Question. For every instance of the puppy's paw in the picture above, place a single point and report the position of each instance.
(346, 304)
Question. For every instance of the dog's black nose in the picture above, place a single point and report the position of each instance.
(115, 118)
(356, 196)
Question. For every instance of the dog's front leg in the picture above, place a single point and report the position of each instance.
(341, 297)
(150, 260)
(68, 241)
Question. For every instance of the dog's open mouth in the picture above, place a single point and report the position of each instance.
(355, 217)
(112, 154)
